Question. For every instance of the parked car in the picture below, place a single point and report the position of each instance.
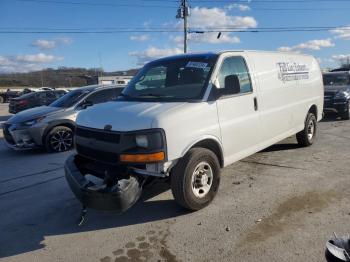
(34, 99)
(337, 93)
(44, 88)
(6, 96)
(53, 126)
(187, 116)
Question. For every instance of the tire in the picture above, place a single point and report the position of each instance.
(59, 139)
(2, 100)
(307, 136)
(196, 194)
(346, 114)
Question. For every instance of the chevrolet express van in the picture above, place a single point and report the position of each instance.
(185, 117)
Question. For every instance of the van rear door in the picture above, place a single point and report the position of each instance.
(238, 114)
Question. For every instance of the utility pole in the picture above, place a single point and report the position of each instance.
(182, 13)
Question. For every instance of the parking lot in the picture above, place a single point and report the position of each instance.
(281, 204)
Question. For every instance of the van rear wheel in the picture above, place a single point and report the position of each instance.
(195, 179)
(307, 136)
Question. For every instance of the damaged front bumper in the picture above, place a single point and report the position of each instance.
(19, 138)
(111, 192)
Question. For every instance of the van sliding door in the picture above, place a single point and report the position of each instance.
(239, 113)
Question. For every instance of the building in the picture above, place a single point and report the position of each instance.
(117, 80)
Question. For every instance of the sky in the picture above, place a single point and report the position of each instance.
(154, 31)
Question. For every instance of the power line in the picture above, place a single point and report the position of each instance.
(195, 1)
(94, 4)
(300, 9)
(190, 30)
(269, 1)
(160, 28)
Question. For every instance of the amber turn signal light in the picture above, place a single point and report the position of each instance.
(143, 158)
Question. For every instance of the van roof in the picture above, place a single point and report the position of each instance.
(195, 54)
(262, 51)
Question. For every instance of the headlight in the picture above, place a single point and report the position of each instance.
(341, 94)
(33, 122)
(144, 146)
(142, 141)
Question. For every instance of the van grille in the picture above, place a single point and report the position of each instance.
(97, 134)
(98, 155)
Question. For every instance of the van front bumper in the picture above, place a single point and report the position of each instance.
(119, 197)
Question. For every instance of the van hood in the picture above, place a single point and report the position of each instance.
(124, 115)
(33, 113)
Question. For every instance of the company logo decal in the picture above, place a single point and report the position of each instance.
(292, 71)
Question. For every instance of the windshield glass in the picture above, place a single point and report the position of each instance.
(70, 98)
(336, 80)
(175, 79)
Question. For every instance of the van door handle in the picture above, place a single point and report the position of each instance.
(255, 104)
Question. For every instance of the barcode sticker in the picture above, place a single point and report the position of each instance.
(197, 65)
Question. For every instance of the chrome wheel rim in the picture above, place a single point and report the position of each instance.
(202, 179)
(61, 141)
(310, 130)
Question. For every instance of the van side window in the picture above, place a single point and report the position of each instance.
(236, 66)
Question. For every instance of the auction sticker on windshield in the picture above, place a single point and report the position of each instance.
(197, 65)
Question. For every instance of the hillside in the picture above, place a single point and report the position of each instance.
(61, 77)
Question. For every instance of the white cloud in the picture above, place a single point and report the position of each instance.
(216, 19)
(341, 58)
(37, 58)
(139, 38)
(44, 44)
(64, 40)
(342, 32)
(204, 18)
(313, 45)
(26, 63)
(147, 24)
(240, 7)
(153, 53)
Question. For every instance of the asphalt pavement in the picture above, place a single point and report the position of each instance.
(281, 204)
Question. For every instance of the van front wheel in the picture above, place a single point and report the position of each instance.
(307, 136)
(195, 179)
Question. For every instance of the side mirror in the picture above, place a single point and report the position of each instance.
(86, 104)
(232, 85)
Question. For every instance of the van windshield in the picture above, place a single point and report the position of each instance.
(174, 79)
(336, 79)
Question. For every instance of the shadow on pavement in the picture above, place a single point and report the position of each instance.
(281, 147)
(331, 117)
(60, 217)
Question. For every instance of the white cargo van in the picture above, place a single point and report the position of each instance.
(186, 117)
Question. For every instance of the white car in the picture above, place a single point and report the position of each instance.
(187, 117)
